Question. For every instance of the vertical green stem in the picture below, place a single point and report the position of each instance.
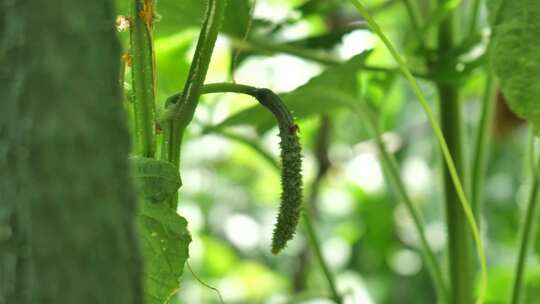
(180, 112)
(526, 239)
(482, 146)
(415, 23)
(143, 69)
(474, 17)
(460, 258)
(316, 247)
(459, 243)
(413, 17)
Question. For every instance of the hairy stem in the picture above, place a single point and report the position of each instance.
(143, 76)
(180, 113)
(526, 237)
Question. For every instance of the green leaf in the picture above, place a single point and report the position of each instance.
(156, 180)
(303, 102)
(179, 15)
(165, 240)
(162, 232)
(516, 54)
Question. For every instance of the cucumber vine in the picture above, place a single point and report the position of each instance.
(143, 73)
(291, 159)
(179, 112)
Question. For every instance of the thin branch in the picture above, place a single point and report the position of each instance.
(482, 145)
(526, 240)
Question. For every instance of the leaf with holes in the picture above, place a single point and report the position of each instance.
(163, 233)
(164, 241)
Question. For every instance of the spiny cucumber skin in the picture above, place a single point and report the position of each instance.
(291, 169)
(291, 183)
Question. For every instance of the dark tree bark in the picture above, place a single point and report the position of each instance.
(67, 205)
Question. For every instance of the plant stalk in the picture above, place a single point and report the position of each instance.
(415, 23)
(476, 5)
(143, 76)
(526, 237)
(460, 258)
(460, 254)
(181, 112)
(482, 145)
(316, 247)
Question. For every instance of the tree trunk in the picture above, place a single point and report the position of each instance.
(67, 205)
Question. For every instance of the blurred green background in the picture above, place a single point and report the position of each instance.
(230, 192)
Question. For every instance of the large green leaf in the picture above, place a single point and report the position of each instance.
(516, 54)
(304, 101)
(163, 233)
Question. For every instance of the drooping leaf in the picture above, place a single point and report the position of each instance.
(164, 241)
(156, 180)
(163, 233)
(303, 102)
(516, 54)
